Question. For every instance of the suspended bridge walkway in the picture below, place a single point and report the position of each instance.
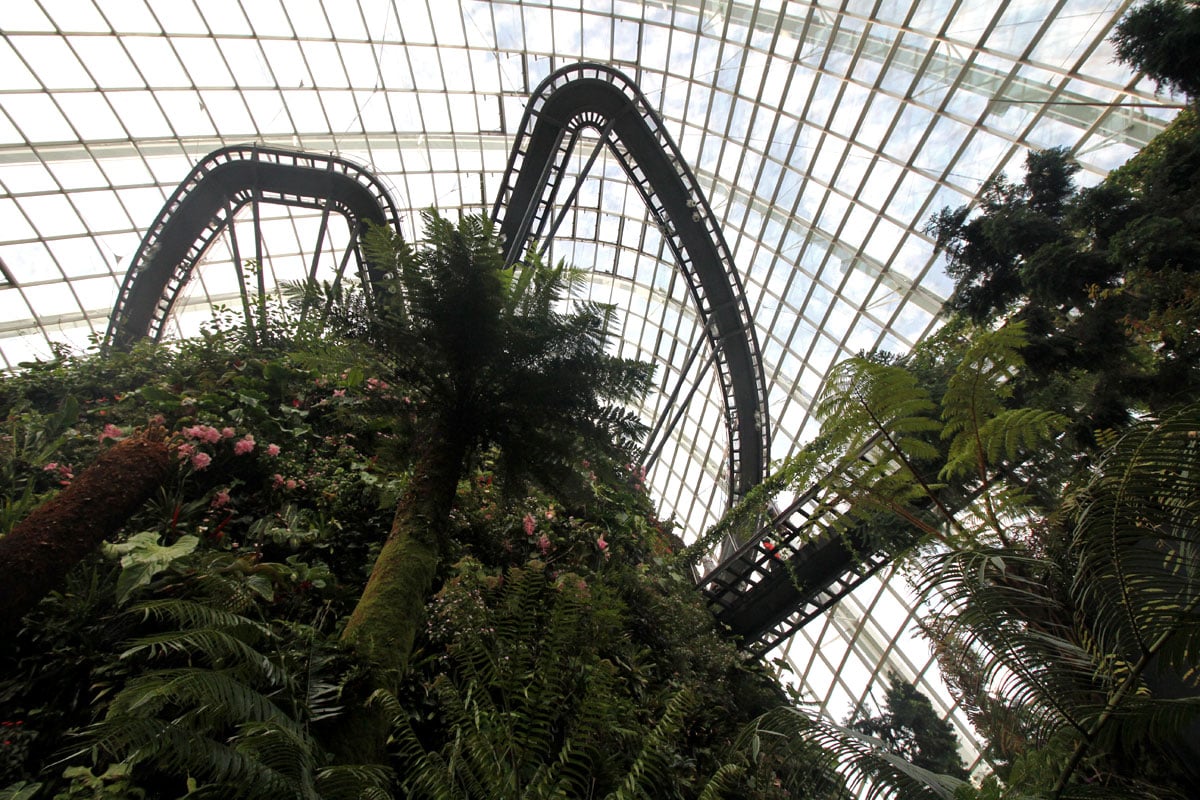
(763, 595)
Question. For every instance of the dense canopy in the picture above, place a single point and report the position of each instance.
(824, 139)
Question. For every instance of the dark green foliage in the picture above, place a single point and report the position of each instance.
(482, 344)
(1104, 279)
(1016, 243)
(199, 655)
(910, 728)
(499, 359)
(1162, 39)
(1091, 641)
(866, 770)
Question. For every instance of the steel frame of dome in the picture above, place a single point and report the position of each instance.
(824, 137)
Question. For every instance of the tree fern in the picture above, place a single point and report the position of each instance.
(981, 430)
(1095, 642)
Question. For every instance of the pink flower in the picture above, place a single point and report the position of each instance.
(244, 445)
(277, 481)
(64, 472)
(201, 460)
(290, 483)
(203, 433)
(158, 419)
(111, 432)
(544, 544)
(220, 499)
(339, 392)
(529, 524)
(601, 544)
(272, 450)
(185, 451)
(228, 433)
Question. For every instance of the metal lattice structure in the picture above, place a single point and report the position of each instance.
(822, 137)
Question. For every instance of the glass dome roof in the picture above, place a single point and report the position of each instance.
(823, 137)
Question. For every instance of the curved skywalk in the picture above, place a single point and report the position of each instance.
(823, 137)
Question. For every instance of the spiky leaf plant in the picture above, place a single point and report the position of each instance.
(1096, 642)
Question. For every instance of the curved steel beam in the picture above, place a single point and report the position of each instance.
(205, 204)
(599, 97)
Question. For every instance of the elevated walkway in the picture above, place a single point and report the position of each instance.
(597, 97)
(762, 595)
(798, 565)
(205, 204)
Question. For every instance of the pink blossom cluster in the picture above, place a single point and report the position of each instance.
(204, 433)
(209, 434)
(65, 475)
(280, 482)
(112, 432)
(188, 452)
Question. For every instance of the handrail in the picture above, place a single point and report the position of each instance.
(588, 95)
(205, 204)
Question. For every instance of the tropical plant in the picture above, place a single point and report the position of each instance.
(866, 766)
(493, 358)
(898, 466)
(234, 711)
(1094, 641)
(530, 700)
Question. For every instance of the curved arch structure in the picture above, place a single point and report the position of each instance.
(205, 204)
(596, 96)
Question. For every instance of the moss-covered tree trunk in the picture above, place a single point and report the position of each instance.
(390, 612)
(41, 549)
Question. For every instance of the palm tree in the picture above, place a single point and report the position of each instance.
(494, 357)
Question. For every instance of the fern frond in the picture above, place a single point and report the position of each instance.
(870, 770)
(863, 399)
(647, 770)
(354, 782)
(193, 614)
(722, 781)
(218, 646)
(1006, 436)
